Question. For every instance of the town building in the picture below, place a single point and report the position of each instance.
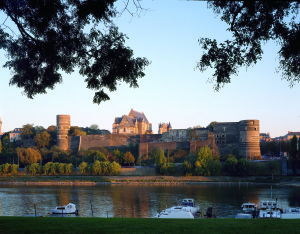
(15, 135)
(290, 135)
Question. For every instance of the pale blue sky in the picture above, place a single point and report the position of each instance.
(172, 90)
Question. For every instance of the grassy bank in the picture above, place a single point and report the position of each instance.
(288, 180)
(118, 225)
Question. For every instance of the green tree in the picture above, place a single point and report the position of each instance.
(83, 167)
(186, 168)
(39, 129)
(118, 156)
(42, 139)
(160, 157)
(216, 168)
(293, 152)
(114, 168)
(58, 36)
(242, 167)
(230, 166)
(29, 156)
(253, 23)
(27, 132)
(75, 131)
(128, 158)
(204, 159)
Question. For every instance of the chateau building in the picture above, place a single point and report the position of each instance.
(133, 123)
(163, 127)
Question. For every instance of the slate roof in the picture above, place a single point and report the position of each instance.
(140, 116)
(118, 120)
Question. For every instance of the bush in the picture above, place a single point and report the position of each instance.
(14, 168)
(96, 168)
(61, 168)
(167, 169)
(83, 167)
(68, 168)
(230, 166)
(105, 168)
(114, 168)
(35, 168)
(242, 167)
(46, 168)
(216, 168)
(186, 168)
(5, 168)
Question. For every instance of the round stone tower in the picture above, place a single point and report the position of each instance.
(63, 126)
(249, 139)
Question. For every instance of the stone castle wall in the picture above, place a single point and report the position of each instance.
(223, 138)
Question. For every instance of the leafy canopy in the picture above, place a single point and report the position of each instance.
(253, 23)
(44, 38)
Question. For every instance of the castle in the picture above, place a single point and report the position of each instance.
(223, 137)
(133, 123)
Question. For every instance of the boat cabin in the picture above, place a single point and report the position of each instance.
(188, 202)
(249, 206)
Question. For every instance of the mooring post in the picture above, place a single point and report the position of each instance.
(34, 210)
(92, 208)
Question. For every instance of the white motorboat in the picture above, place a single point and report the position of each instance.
(269, 209)
(67, 209)
(291, 213)
(249, 210)
(186, 210)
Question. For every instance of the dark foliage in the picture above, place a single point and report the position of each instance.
(252, 23)
(52, 36)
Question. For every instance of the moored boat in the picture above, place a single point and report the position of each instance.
(291, 213)
(269, 210)
(249, 211)
(186, 210)
(67, 209)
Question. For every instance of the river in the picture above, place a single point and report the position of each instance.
(139, 201)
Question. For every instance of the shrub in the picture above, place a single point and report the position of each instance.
(83, 167)
(167, 169)
(186, 168)
(230, 166)
(46, 168)
(242, 167)
(216, 168)
(14, 168)
(105, 168)
(96, 168)
(114, 168)
(61, 168)
(35, 168)
(68, 168)
(5, 168)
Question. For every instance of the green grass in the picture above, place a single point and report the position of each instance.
(34, 225)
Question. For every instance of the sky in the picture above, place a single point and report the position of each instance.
(173, 90)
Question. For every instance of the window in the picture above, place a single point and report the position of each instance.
(217, 142)
(255, 129)
(218, 136)
(223, 135)
(223, 142)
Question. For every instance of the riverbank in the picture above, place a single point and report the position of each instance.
(134, 225)
(94, 180)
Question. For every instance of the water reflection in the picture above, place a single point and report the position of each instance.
(140, 201)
